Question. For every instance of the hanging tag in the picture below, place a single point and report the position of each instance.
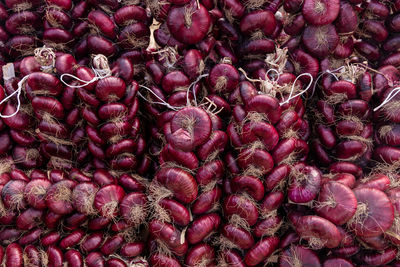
(8, 71)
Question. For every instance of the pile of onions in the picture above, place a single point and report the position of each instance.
(268, 135)
(98, 212)
(323, 27)
(199, 133)
(188, 140)
(343, 125)
(22, 28)
(57, 25)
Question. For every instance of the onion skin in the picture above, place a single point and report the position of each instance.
(55, 201)
(9, 235)
(12, 189)
(132, 249)
(110, 194)
(28, 219)
(263, 20)
(206, 201)
(95, 259)
(313, 44)
(186, 134)
(51, 238)
(178, 212)
(169, 235)
(381, 258)
(380, 214)
(288, 239)
(30, 237)
(13, 256)
(181, 183)
(103, 22)
(202, 227)
(55, 256)
(188, 34)
(112, 244)
(345, 200)
(304, 255)
(114, 262)
(314, 226)
(209, 171)
(337, 262)
(240, 205)
(200, 253)
(72, 239)
(92, 242)
(249, 184)
(377, 181)
(262, 250)
(239, 236)
(73, 258)
(160, 260)
(330, 11)
(302, 191)
(131, 202)
(33, 256)
(75, 221)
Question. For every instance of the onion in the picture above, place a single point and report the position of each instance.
(336, 202)
(188, 24)
(318, 232)
(261, 251)
(298, 255)
(200, 254)
(59, 197)
(36, 191)
(202, 228)
(107, 200)
(320, 12)
(374, 214)
(13, 255)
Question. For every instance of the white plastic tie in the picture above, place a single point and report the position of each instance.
(391, 95)
(18, 93)
(331, 72)
(291, 96)
(278, 74)
(162, 102)
(100, 72)
(192, 85)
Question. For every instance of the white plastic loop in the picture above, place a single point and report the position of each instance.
(163, 103)
(391, 95)
(100, 68)
(331, 72)
(291, 96)
(18, 92)
(192, 86)
(278, 74)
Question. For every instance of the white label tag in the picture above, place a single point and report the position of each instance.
(8, 71)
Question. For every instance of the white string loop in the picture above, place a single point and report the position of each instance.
(391, 95)
(18, 92)
(163, 103)
(291, 96)
(331, 72)
(274, 79)
(46, 58)
(100, 68)
(192, 85)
